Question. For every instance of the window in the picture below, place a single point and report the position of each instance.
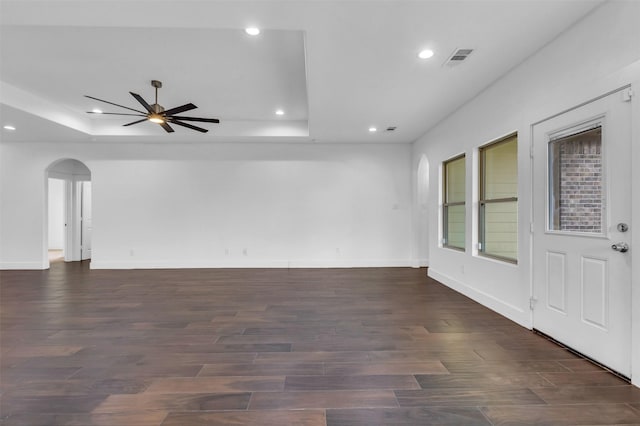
(453, 207)
(498, 216)
(575, 181)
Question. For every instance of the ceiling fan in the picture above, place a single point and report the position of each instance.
(157, 114)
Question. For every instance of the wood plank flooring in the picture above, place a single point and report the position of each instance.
(279, 347)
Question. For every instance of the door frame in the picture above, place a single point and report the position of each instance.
(569, 326)
(570, 99)
(635, 241)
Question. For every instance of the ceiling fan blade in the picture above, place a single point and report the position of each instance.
(204, 120)
(189, 126)
(114, 113)
(135, 122)
(178, 110)
(111, 103)
(166, 127)
(143, 102)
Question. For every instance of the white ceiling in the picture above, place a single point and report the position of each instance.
(335, 67)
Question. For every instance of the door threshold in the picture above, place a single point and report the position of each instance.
(583, 356)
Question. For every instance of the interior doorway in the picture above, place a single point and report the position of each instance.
(69, 215)
(57, 220)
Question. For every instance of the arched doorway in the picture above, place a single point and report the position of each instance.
(68, 210)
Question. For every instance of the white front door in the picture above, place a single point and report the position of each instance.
(581, 211)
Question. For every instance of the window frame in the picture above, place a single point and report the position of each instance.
(553, 182)
(482, 201)
(446, 204)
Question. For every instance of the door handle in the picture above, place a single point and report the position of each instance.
(621, 247)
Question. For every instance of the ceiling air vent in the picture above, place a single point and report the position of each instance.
(458, 56)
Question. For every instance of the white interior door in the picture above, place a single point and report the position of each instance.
(582, 210)
(86, 220)
(72, 222)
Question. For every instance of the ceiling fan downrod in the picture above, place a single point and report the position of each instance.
(158, 85)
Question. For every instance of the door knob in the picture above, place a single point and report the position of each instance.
(621, 247)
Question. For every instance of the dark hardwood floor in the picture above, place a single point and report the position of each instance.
(280, 347)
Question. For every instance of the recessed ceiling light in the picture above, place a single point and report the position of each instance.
(252, 31)
(425, 54)
(96, 111)
(9, 127)
(279, 112)
(373, 129)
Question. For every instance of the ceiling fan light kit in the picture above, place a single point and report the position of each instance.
(156, 118)
(156, 113)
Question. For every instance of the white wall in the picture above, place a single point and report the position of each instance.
(599, 54)
(160, 205)
(23, 214)
(56, 214)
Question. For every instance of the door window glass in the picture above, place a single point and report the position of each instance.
(575, 182)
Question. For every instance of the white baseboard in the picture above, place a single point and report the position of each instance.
(16, 266)
(507, 310)
(420, 263)
(299, 263)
